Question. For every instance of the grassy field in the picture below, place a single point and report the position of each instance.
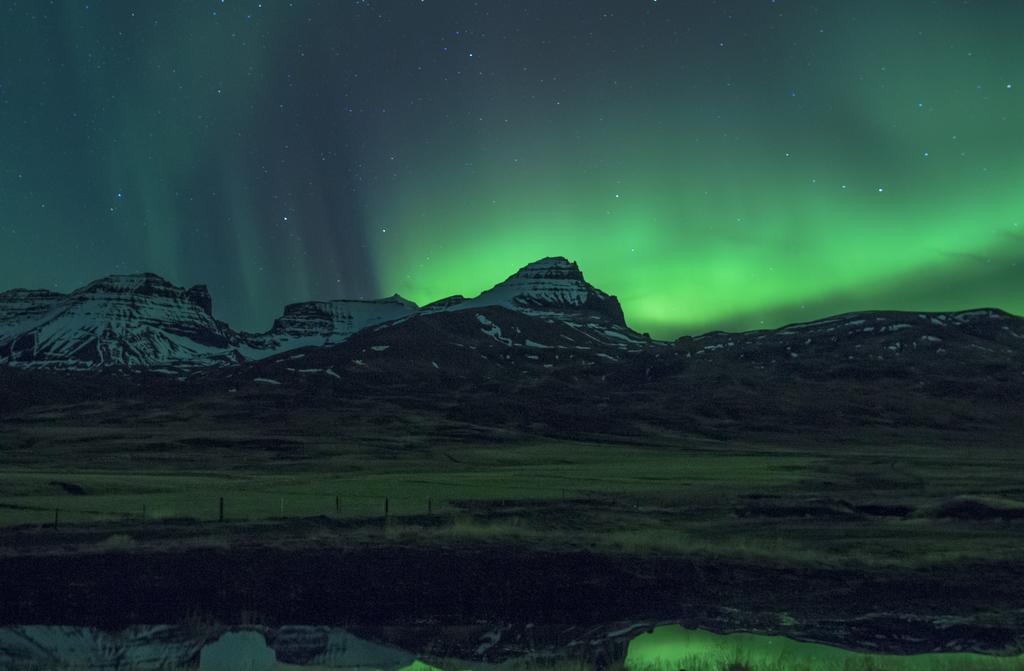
(830, 503)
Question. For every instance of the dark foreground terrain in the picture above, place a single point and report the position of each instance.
(962, 605)
(866, 541)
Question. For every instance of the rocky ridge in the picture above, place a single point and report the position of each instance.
(144, 321)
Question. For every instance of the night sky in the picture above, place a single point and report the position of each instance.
(714, 164)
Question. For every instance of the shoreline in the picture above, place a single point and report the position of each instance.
(951, 606)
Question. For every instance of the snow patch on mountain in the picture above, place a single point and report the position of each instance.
(319, 323)
(493, 330)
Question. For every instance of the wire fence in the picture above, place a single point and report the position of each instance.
(235, 507)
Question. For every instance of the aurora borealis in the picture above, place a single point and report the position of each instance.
(713, 164)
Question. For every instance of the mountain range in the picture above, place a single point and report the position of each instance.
(144, 321)
(544, 348)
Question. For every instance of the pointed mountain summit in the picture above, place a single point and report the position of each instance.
(552, 286)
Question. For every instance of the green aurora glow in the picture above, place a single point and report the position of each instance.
(896, 186)
(715, 165)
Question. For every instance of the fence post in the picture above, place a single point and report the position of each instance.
(386, 502)
(337, 504)
(56, 517)
(282, 506)
(221, 517)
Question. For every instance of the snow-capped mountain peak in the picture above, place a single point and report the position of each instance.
(123, 320)
(550, 286)
(317, 323)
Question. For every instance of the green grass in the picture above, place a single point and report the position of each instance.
(664, 493)
(675, 496)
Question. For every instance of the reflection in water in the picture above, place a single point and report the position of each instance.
(672, 647)
(248, 651)
(293, 648)
(238, 651)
